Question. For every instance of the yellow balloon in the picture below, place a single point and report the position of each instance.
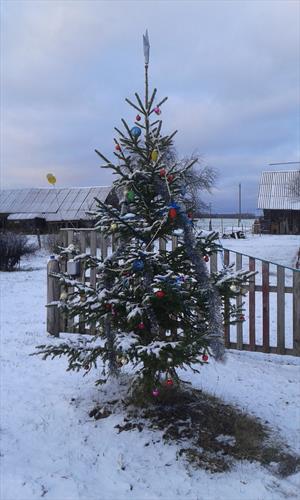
(51, 179)
(154, 155)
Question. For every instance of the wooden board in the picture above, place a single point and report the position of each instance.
(280, 309)
(266, 306)
(226, 306)
(252, 315)
(239, 301)
(296, 312)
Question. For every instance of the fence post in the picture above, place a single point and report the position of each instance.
(251, 303)
(162, 245)
(266, 305)
(296, 312)
(280, 309)
(104, 245)
(93, 252)
(214, 262)
(174, 242)
(239, 302)
(82, 244)
(70, 236)
(53, 293)
(226, 306)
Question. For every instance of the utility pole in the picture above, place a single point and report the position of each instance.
(240, 204)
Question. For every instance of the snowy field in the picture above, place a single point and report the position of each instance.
(51, 449)
(226, 225)
(280, 249)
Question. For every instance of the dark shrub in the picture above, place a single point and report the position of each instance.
(12, 248)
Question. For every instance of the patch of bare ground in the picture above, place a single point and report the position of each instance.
(210, 434)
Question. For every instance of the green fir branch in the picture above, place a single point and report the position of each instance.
(103, 157)
(140, 103)
(151, 99)
(134, 106)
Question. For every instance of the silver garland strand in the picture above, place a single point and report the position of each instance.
(215, 324)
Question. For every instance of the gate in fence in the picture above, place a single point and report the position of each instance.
(271, 300)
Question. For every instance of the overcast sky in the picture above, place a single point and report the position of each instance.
(230, 68)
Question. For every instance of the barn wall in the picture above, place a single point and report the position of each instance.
(282, 221)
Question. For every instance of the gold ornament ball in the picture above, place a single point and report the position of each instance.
(121, 360)
(51, 179)
(154, 155)
(63, 296)
(114, 226)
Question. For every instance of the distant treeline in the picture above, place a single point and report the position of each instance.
(227, 216)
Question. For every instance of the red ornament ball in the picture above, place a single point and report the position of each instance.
(169, 382)
(206, 258)
(155, 392)
(172, 213)
(141, 326)
(160, 294)
(190, 215)
(242, 317)
(170, 178)
(157, 110)
(118, 147)
(138, 118)
(205, 357)
(162, 172)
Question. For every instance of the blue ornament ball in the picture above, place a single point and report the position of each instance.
(138, 265)
(136, 131)
(175, 205)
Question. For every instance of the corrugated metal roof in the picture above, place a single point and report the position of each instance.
(70, 215)
(27, 216)
(279, 190)
(51, 203)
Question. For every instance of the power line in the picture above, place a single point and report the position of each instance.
(285, 163)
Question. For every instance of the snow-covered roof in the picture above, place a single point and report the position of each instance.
(279, 190)
(51, 204)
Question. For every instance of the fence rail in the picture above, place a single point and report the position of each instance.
(271, 299)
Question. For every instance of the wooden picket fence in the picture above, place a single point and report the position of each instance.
(271, 299)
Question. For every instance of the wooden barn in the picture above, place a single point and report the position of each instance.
(279, 198)
(45, 210)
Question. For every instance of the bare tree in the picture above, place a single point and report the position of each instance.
(198, 179)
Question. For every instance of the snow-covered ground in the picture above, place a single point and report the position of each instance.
(280, 249)
(51, 449)
(227, 226)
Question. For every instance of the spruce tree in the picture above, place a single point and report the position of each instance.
(154, 307)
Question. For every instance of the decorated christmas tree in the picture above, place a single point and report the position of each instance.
(154, 307)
